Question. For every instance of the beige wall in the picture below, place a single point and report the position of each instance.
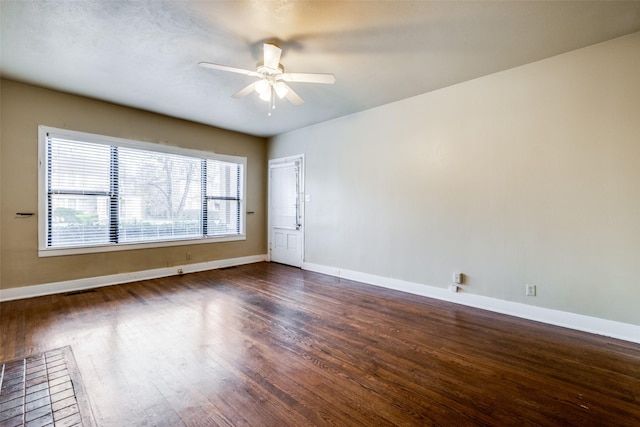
(24, 107)
(531, 175)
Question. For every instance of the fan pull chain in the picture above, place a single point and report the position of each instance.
(272, 101)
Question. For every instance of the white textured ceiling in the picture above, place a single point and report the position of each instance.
(144, 54)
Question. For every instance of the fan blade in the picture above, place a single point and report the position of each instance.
(328, 79)
(272, 56)
(292, 97)
(227, 68)
(246, 90)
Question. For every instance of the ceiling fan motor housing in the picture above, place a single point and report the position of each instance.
(263, 69)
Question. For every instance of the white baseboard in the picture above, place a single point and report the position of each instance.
(594, 325)
(115, 279)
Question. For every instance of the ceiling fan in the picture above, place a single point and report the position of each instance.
(272, 80)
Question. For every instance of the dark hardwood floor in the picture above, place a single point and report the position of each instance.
(270, 345)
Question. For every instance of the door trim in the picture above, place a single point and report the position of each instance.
(275, 162)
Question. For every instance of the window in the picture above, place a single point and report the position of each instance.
(101, 193)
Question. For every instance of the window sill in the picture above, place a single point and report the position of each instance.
(51, 252)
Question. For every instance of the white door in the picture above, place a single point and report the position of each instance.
(285, 211)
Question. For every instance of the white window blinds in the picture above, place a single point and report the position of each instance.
(79, 191)
(159, 196)
(102, 194)
(222, 197)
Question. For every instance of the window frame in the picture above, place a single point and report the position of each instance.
(45, 251)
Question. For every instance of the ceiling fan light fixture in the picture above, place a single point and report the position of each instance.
(281, 89)
(262, 88)
(266, 96)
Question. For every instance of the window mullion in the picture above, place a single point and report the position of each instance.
(205, 201)
(239, 202)
(114, 197)
(49, 196)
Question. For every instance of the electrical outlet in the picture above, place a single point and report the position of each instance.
(531, 290)
(457, 278)
(188, 255)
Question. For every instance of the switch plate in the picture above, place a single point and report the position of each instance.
(531, 290)
(457, 278)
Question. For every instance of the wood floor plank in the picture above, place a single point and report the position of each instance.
(270, 345)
